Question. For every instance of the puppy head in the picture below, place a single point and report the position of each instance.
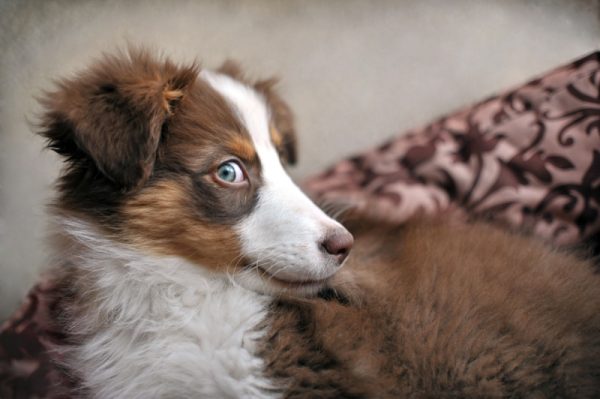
(181, 162)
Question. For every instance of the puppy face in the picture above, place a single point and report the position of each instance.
(187, 163)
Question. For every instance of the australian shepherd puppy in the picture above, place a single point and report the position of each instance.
(193, 267)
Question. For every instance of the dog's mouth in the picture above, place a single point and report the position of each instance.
(288, 283)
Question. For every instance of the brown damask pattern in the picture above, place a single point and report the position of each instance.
(529, 157)
(27, 369)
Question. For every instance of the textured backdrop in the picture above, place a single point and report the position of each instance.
(355, 72)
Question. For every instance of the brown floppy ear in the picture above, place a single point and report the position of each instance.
(109, 119)
(284, 134)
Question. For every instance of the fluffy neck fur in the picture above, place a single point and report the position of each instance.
(157, 326)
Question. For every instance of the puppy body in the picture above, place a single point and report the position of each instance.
(190, 262)
(436, 309)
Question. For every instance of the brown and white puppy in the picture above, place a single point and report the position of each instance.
(174, 218)
(183, 243)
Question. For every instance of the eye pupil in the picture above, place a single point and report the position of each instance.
(227, 172)
(230, 172)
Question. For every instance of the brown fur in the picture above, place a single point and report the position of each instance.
(161, 220)
(244, 149)
(113, 114)
(438, 310)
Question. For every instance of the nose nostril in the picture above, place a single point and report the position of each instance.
(338, 244)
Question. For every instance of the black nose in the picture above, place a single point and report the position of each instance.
(338, 243)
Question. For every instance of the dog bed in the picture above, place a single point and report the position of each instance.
(528, 158)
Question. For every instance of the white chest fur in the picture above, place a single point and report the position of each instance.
(161, 327)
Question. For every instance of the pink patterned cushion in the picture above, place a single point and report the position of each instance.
(27, 368)
(529, 157)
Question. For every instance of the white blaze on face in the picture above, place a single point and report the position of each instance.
(284, 232)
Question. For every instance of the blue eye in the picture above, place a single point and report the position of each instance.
(230, 172)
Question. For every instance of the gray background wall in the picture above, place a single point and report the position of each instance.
(355, 72)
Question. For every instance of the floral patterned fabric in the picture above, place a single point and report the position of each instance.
(529, 157)
(27, 367)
